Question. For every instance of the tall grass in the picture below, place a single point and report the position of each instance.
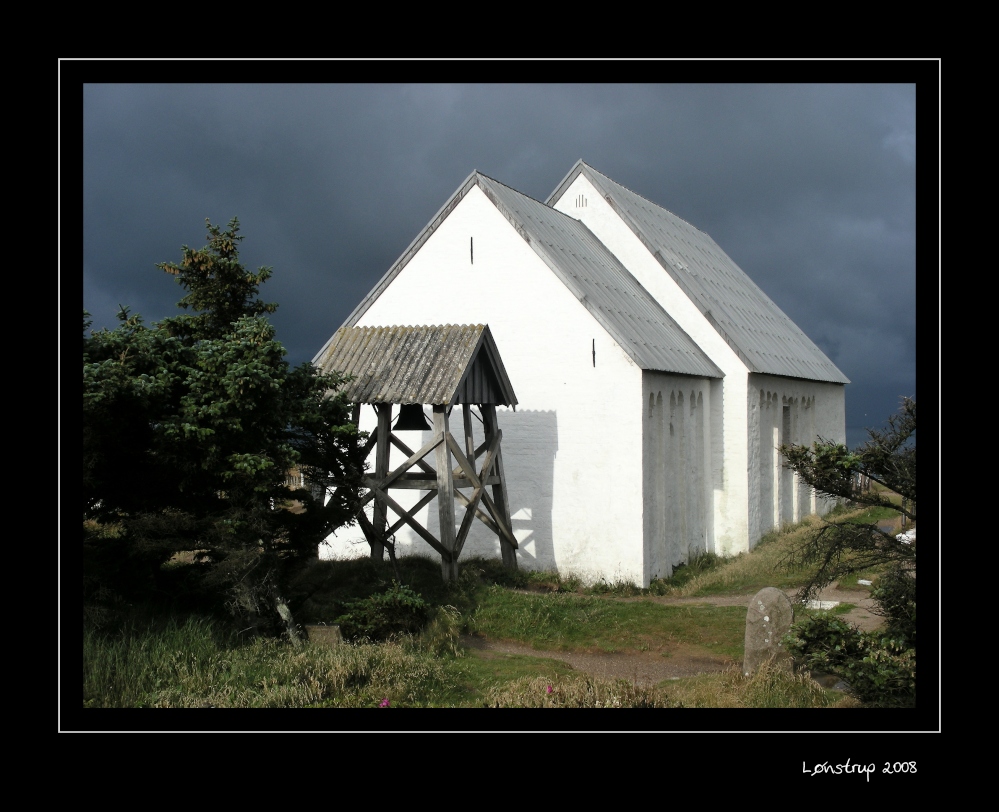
(194, 664)
(772, 686)
(577, 692)
(762, 567)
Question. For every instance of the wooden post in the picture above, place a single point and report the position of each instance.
(445, 493)
(466, 416)
(380, 515)
(499, 491)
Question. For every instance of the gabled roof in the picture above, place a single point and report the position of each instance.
(438, 365)
(757, 330)
(629, 314)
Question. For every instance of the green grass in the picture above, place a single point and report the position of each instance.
(873, 515)
(748, 572)
(571, 622)
(199, 662)
(487, 675)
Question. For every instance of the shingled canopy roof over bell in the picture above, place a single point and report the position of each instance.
(437, 365)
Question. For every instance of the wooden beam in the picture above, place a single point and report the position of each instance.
(411, 513)
(471, 509)
(427, 536)
(445, 491)
(466, 466)
(367, 528)
(502, 502)
(382, 449)
(368, 444)
(482, 517)
(466, 416)
(462, 460)
(419, 482)
(398, 472)
(405, 449)
(501, 528)
(466, 520)
(478, 453)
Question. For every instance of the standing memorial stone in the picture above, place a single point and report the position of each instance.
(767, 621)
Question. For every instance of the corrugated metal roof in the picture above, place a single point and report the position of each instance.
(437, 365)
(613, 296)
(761, 334)
(625, 309)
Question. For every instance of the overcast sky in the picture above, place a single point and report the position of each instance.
(809, 188)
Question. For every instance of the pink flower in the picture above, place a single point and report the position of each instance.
(384, 703)
(549, 689)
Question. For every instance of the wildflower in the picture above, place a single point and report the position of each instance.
(549, 689)
(384, 703)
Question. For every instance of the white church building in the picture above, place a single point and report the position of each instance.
(654, 380)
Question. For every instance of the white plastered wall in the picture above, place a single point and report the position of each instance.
(676, 475)
(572, 450)
(730, 494)
(787, 410)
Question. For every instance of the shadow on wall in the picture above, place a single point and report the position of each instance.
(530, 443)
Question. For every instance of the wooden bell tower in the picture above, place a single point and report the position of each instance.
(441, 367)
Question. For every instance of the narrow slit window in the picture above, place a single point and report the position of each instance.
(471, 250)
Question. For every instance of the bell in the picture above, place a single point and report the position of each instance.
(411, 418)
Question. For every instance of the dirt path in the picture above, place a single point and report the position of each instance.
(649, 668)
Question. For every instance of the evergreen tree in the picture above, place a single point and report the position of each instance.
(191, 427)
(880, 666)
(887, 458)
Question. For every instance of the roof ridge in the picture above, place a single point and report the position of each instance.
(522, 194)
(643, 197)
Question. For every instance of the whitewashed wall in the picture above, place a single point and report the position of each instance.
(677, 471)
(573, 448)
(787, 410)
(729, 487)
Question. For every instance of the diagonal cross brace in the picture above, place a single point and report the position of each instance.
(398, 472)
(469, 470)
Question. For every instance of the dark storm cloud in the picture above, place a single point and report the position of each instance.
(809, 188)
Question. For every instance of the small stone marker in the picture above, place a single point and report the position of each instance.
(324, 635)
(768, 619)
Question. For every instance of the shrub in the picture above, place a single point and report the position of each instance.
(879, 668)
(895, 595)
(397, 610)
(441, 637)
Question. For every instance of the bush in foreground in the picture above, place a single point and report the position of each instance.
(880, 668)
(396, 610)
